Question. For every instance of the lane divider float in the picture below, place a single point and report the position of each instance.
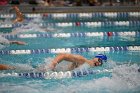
(82, 24)
(57, 75)
(76, 15)
(76, 34)
(70, 50)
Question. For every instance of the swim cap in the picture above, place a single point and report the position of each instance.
(101, 56)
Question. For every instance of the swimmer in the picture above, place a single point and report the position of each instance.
(18, 42)
(77, 60)
(14, 42)
(4, 41)
(19, 15)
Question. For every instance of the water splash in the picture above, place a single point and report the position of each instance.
(128, 74)
(125, 79)
(45, 66)
(32, 26)
(18, 69)
(18, 89)
(23, 67)
(3, 42)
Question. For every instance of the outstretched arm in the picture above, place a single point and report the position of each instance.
(75, 59)
(18, 14)
(6, 67)
(18, 42)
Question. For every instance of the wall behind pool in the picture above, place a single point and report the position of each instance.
(41, 9)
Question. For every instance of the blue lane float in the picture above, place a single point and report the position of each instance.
(70, 50)
(68, 35)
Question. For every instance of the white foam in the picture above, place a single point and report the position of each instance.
(18, 89)
(3, 42)
(23, 67)
(32, 26)
(125, 78)
(45, 66)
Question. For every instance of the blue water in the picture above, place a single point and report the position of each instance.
(124, 77)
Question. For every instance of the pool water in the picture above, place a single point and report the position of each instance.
(122, 74)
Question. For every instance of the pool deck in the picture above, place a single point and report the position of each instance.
(41, 9)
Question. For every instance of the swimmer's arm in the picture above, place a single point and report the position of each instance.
(89, 62)
(57, 60)
(75, 65)
(17, 42)
(18, 12)
(19, 15)
(64, 56)
(6, 67)
(12, 42)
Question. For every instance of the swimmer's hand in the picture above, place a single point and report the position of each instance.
(19, 15)
(11, 67)
(17, 20)
(52, 67)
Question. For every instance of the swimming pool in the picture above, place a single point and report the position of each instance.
(79, 33)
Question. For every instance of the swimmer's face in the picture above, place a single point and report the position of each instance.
(97, 61)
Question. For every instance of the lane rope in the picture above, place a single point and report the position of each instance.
(76, 15)
(70, 50)
(56, 75)
(135, 23)
(76, 34)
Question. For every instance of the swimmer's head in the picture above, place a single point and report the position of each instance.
(102, 57)
(99, 59)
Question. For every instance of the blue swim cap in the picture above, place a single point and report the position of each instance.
(101, 56)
